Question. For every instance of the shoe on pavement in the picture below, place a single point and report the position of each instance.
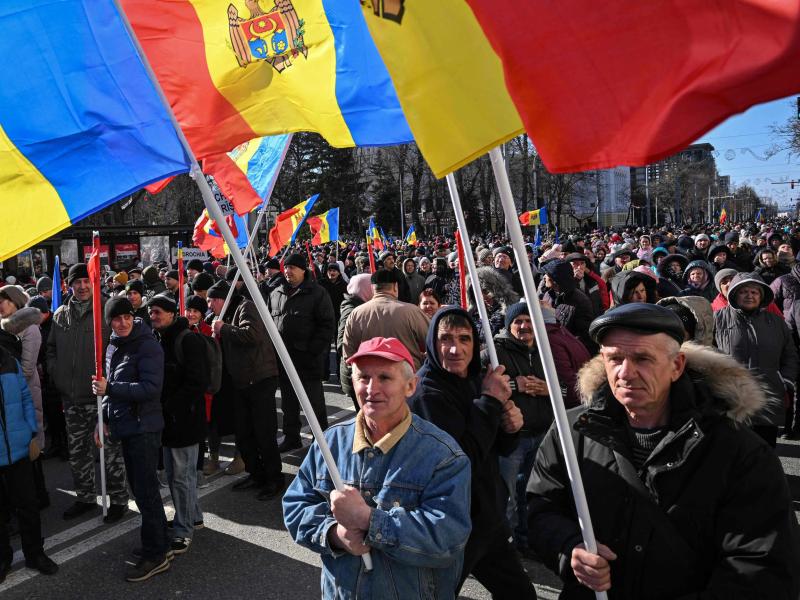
(202, 482)
(211, 466)
(289, 444)
(42, 563)
(137, 554)
(271, 490)
(115, 513)
(236, 466)
(247, 484)
(145, 569)
(180, 545)
(78, 508)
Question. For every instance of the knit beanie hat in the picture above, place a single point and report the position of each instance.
(135, 285)
(515, 310)
(77, 271)
(121, 278)
(172, 274)
(197, 303)
(116, 306)
(202, 281)
(484, 254)
(296, 260)
(195, 264)
(723, 274)
(164, 302)
(44, 284)
(219, 290)
(40, 302)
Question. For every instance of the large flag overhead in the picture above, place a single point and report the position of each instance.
(448, 78)
(288, 223)
(247, 174)
(235, 70)
(324, 227)
(81, 125)
(602, 84)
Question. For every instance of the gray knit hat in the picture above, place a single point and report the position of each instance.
(723, 274)
(44, 284)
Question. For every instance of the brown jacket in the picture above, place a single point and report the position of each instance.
(386, 316)
(247, 351)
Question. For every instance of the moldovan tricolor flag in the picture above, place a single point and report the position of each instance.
(623, 82)
(236, 70)
(324, 227)
(534, 217)
(373, 236)
(288, 223)
(723, 215)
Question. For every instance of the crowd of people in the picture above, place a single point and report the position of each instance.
(676, 353)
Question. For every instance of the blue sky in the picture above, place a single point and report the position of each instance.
(744, 146)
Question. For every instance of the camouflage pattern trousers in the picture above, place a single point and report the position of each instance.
(81, 422)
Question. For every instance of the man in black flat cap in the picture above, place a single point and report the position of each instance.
(685, 502)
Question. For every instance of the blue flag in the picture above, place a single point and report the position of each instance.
(55, 302)
(557, 234)
(537, 241)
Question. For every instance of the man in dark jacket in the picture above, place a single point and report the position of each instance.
(186, 378)
(249, 358)
(572, 306)
(303, 313)
(480, 415)
(70, 363)
(579, 263)
(685, 502)
(132, 409)
(389, 263)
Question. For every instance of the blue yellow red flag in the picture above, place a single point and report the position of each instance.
(247, 174)
(723, 215)
(374, 236)
(235, 70)
(81, 124)
(324, 227)
(534, 217)
(288, 223)
(411, 236)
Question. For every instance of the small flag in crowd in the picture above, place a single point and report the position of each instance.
(723, 215)
(411, 236)
(534, 217)
(324, 227)
(56, 299)
(373, 236)
(288, 223)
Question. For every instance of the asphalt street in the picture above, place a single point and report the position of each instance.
(242, 552)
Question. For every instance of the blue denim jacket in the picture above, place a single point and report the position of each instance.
(420, 493)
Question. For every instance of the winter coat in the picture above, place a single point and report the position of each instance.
(626, 281)
(573, 308)
(18, 425)
(721, 302)
(709, 292)
(415, 281)
(247, 352)
(708, 516)
(457, 405)
(337, 291)
(569, 355)
(185, 384)
(702, 313)
(349, 304)
(24, 324)
(135, 375)
(304, 318)
(786, 289)
(512, 277)
(70, 352)
(763, 343)
(663, 270)
(602, 291)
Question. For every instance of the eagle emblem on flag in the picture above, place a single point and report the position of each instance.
(274, 36)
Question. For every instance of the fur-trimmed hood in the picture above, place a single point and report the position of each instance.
(702, 312)
(735, 392)
(496, 284)
(21, 320)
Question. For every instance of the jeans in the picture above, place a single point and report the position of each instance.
(18, 495)
(141, 453)
(181, 466)
(256, 429)
(515, 470)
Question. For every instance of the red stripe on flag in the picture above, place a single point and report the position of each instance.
(233, 183)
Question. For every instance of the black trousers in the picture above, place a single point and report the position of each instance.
(290, 405)
(256, 429)
(18, 494)
(496, 565)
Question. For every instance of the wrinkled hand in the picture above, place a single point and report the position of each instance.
(217, 326)
(349, 540)
(512, 420)
(33, 450)
(99, 386)
(349, 509)
(496, 384)
(97, 435)
(593, 570)
(533, 386)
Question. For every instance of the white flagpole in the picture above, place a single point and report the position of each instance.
(215, 212)
(473, 271)
(546, 354)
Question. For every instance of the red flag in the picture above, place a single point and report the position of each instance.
(310, 260)
(233, 183)
(602, 84)
(93, 266)
(462, 270)
(157, 186)
(181, 291)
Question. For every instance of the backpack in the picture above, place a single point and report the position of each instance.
(213, 358)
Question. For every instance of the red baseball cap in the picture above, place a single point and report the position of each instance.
(388, 348)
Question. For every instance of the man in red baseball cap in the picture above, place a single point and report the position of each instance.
(409, 506)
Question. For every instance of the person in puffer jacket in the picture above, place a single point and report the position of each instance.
(18, 448)
(573, 307)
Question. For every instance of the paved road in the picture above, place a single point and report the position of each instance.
(243, 551)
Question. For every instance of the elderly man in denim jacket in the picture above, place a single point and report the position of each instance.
(407, 491)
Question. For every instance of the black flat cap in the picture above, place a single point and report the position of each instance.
(647, 319)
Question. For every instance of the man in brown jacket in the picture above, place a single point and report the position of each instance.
(249, 358)
(386, 316)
